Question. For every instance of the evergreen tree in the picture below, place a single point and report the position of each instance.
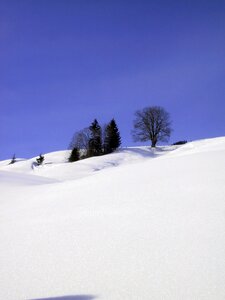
(112, 137)
(13, 160)
(74, 155)
(95, 141)
(40, 159)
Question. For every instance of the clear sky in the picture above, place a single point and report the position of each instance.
(65, 62)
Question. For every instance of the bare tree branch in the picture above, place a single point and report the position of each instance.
(152, 124)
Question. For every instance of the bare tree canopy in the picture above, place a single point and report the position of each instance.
(152, 124)
(81, 139)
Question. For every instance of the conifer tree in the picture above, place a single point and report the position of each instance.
(74, 155)
(40, 159)
(95, 141)
(112, 137)
(13, 160)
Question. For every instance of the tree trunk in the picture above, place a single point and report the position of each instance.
(154, 141)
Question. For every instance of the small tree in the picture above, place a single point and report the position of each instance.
(40, 159)
(112, 139)
(152, 124)
(74, 155)
(80, 141)
(13, 160)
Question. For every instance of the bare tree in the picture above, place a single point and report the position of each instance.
(81, 140)
(152, 124)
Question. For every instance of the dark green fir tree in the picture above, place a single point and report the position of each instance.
(95, 141)
(74, 155)
(112, 139)
(13, 160)
(40, 159)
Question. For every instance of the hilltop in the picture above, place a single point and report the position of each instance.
(135, 224)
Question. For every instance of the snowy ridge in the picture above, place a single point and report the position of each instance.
(136, 224)
(10, 178)
(56, 165)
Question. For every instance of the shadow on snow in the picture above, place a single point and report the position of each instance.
(75, 297)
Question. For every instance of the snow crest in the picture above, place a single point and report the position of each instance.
(135, 224)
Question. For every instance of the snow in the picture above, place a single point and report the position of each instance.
(135, 224)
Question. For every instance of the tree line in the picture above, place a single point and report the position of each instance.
(150, 124)
(95, 140)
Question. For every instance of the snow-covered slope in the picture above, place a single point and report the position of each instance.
(56, 164)
(136, 224)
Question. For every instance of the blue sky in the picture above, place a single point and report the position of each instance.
(64, 63)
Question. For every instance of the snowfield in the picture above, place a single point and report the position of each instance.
(138, 224)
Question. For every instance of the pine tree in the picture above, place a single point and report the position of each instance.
(112, 137)
(40, 159)
(13, 160)
(95, 141)
(74, 155)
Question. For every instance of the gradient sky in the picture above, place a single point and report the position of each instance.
(65, 62)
